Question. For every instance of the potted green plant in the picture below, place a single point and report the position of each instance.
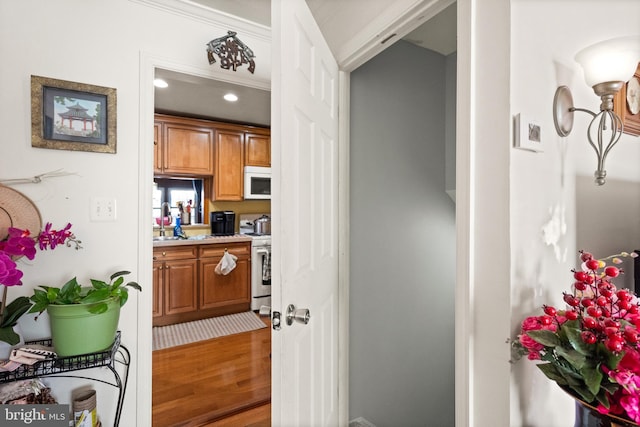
(14, 245)
(84, 319)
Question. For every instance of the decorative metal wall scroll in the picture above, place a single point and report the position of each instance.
(231, 51)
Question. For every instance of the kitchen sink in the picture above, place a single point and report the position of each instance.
(164, 238)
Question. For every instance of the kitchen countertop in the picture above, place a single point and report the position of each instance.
(202, 239)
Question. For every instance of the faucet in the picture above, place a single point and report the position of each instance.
(162, 211)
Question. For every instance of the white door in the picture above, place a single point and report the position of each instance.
(304, 219)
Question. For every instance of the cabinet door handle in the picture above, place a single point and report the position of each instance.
(164, 254)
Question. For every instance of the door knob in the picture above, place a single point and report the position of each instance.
(300, 315)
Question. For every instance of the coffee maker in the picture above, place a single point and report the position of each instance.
(222, 223)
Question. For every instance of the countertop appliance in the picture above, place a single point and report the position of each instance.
(223, 223)
(257, 182)
(260, 262)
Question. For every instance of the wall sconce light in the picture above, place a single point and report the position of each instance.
(607, 66)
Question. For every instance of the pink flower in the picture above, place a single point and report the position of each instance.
(631, 404)
(19, 243)
(531, 324)
(529, 343)
(9, 274)
(622, 378)
(533, 355)
(49, 238)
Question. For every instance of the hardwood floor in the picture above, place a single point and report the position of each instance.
(216, 383)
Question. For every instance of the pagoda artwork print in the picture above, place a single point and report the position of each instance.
(72, 116)
(76, 117)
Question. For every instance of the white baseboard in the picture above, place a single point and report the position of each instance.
(361, 422)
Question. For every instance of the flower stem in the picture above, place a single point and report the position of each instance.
(4, 303)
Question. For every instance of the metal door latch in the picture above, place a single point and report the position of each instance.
(275, 321)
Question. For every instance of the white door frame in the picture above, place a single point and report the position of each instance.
(466, 400)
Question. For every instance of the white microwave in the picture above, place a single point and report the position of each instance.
(257, 182)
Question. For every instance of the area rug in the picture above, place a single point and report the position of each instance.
(199, 330)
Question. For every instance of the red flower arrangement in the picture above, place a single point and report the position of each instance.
(590, 347)
(20, 243)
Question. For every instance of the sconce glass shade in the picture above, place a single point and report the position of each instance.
(610, 60)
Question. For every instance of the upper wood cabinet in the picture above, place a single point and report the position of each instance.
(157, 150)
(186, 146)
(195, 147)
(228, 177)
(257, 148)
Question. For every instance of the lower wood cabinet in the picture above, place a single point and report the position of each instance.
(219, 290)
(175, 275)
(186, 287)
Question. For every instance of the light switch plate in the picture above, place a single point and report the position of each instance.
(527, 133)
(103, 209)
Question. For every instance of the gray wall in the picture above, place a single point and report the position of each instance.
(402, 242)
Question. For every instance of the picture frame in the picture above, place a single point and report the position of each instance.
(527, 133)
(72, 116)
(622, 101)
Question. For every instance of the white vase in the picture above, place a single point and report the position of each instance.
(5, 348)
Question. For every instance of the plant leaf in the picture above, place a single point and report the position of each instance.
(8, 335)
(96, 295)
(117, 283)
(14, 310)
(69, 291)
(572, 356)
(611, 359)
(602, 398)
(98, 308)
(584, 393)
(119, 273)
(99, 284)
(550, 370)
(544, 337)
(124, 296)
(575, 339)
(135, 286)
(592, 378)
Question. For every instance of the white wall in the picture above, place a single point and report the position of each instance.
(544, 202)
(105, 44)
(402, 242)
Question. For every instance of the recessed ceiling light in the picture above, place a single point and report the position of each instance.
(160, 83)
(230, 97)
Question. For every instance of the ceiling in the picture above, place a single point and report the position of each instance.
(339, 20)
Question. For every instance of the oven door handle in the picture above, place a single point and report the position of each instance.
(262, 252)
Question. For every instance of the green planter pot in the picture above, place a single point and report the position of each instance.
(74, 330)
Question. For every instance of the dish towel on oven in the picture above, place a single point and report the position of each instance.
(266, 269)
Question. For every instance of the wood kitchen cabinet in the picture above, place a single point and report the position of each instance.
(257, 149)
(185, 146)
(186, 287)
(224, 290)
(157, 150)
(175, 274)
(195, 147)
(228, 177)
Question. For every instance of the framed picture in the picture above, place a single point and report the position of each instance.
(626, 104)
(72, 116)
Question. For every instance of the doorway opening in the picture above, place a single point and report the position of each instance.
(207, 380)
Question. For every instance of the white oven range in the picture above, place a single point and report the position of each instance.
(260, 262)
